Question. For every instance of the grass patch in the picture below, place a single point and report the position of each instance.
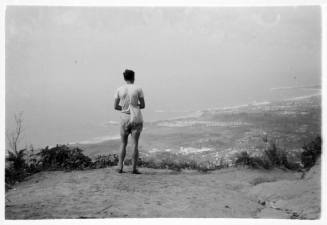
(178, 162)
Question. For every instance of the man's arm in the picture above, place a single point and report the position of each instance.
(142, 103)
(141, 99)
(116, 104)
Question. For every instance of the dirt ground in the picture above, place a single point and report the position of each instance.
(226, 193)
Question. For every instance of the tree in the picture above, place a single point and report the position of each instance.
(14, 136)
(16, 168)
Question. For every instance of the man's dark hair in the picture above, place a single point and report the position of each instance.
(129, 75)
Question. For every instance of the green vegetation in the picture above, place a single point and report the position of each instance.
(16, 169)
(179, 162)
(274, 156)
(311, 152)
(23, 163)
(62, 157)
(102, 161)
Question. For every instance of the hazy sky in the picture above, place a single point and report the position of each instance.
(63, 64)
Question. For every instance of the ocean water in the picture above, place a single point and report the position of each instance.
(72, 130)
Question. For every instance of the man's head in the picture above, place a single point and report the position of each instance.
(129, 76)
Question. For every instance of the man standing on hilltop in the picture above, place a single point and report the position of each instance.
(129, 99)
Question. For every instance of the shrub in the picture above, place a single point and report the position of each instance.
(13, 175)
(102, 161)
(271, 157)
(256, 162)
(63, 157)
(312, 151)
(17, 159)
(276, 157)
(19, 165)
(243, 159)
(16, 167)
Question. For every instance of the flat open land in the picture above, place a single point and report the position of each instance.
(103, 193)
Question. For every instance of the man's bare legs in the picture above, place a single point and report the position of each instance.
(135, 142)
(135, 132)
(124, 141)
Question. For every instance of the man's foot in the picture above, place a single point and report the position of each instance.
(136, 172)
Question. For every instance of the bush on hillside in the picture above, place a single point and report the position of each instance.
(63, 157)
(312, 151)
(19, 164)
(102, 161)
(273, 157)
(244, 159)
(17, 158)
(15, 166)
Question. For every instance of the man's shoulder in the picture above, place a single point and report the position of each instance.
(131, 87)
(136, 87)
(121, 88)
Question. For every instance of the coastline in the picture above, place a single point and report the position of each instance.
(192, 114)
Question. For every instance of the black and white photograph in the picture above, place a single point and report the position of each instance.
(163, 112)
